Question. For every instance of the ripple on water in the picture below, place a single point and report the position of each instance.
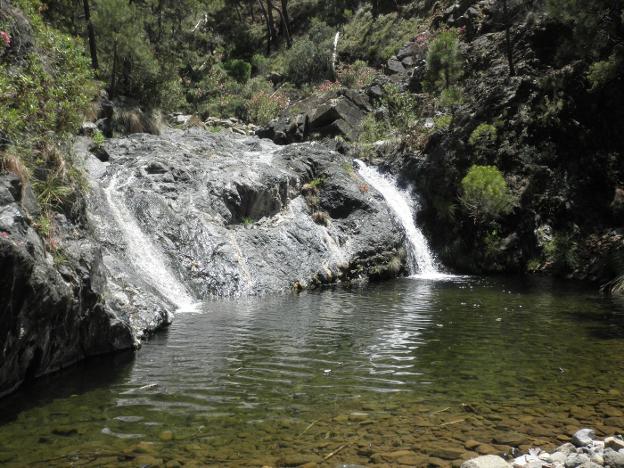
(303, 374)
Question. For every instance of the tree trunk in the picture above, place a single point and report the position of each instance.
(285, 29)
(114, 72)
(508, 44)
(268, 27)
(91, 32)
(286, 17)
(270, 17)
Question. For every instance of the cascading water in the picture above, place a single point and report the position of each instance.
(420, 258)
(143, 254)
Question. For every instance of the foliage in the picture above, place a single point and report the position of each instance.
(604, 71)
(43, 97)
(373, 130)
(98, 139)
(309, 59)
(450, 98)
(356, 75)
(327, 86)
(484, 134)
(485, 193)
(315, 183)
(375, 38)
(264, 106)
(128, 64)
(238, 69)
(442, 122)
(597, 25)
(444, 62)
(402, 107)
(561, 251)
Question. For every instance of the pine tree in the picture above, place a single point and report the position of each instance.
(444, 62)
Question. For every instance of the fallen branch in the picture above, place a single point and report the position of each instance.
(441, 411)
(331, 454)
(309, 427)
(457, 421)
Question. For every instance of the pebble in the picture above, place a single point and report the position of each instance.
(613, 459)
(586, 452)
(487, 461)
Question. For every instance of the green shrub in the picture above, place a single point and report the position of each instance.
(260, 64)
(561, 251)
(356, 75)
(450, 98)
(263, 106)
(442, 122)
(444, 62)
(485, 193)
(602, 72)
(43, 98)
(375, 39)
(98, 139)
(484, 134)
(308, 62)
(373, 130)
(238, 70)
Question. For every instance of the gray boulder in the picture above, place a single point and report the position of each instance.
(583, 437)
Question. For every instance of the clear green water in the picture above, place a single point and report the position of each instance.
(409, 366)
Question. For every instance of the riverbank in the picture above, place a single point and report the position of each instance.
(584, 450)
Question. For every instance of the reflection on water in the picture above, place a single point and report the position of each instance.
(395, 363)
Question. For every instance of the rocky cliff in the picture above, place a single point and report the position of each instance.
(174, 219)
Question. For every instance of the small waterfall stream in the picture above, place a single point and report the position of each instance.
(143, 254)
(420, 259)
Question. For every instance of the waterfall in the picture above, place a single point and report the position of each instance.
(420, 258)
(335, 53)
(142, 252)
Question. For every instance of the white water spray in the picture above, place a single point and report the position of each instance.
(335, 53)
(145, 256)
(420, 258)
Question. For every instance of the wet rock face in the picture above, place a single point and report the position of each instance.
(50, 315)
(173, 219)
(231, 214)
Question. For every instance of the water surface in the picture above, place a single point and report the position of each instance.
(410, 366)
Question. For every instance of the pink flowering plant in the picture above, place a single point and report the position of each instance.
(5, 38)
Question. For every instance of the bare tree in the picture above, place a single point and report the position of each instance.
(91, 32)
